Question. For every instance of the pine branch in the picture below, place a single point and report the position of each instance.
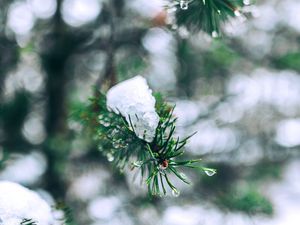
(157, 161)
(206, 15)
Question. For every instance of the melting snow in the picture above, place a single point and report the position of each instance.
(133, 99)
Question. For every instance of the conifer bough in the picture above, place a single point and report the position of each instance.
(206, 15)
(137, 130)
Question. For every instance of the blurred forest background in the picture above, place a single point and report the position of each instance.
(241, 92)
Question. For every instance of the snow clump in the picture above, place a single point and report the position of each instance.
(18, 203)
(133, 99)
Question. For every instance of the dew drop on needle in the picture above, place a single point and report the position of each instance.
(175, 192)
(210, 172)
(184, 5)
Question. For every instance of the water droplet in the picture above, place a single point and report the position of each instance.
(214, 34)
(210, 172)
(175, 192)
(247, 2)
(137, 164)
(114, 132)
(237, 13)
(204, 2)
(110, 157)
(116, 144)
(157, 194)
(184, 5)
(219, 12)
(174, 27)
(104, 122)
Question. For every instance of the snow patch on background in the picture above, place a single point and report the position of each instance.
(18, 203)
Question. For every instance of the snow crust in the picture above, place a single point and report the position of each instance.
(18, 203)
(133, 99)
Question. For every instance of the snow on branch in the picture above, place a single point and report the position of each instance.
(134, 129)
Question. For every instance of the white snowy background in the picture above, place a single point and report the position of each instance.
(264, 101)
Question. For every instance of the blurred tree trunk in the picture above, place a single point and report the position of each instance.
(55, 51)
